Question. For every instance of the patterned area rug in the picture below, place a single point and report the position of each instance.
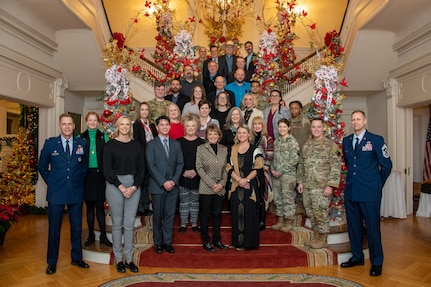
(228, 280)
(277, 249)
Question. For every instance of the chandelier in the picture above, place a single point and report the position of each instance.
(224, 10)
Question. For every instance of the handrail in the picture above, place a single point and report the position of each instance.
(304, 67)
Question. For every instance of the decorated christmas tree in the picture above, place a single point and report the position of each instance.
(275, 63)
(29, 119)
(118, 98)
(17, 186)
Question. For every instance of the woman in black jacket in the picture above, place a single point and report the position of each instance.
(94, 182)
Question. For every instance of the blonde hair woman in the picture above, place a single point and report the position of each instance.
(265, 142)
(244, 164)
(189, 180)
(124, 170)
(250, 111)
(174, 114)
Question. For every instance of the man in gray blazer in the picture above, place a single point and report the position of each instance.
(165, 164)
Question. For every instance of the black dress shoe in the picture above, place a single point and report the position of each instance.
(351, 263)
(89, 241)
(182, 229)
(106, 242)
(147, 212)
(51, 269)
(196, 229)
(262, 226)
(169, 248)
(80, 263)
(158, 249)
(121, 267)
(132, 267)
(208, 247)
(220, 245)
(376, 270)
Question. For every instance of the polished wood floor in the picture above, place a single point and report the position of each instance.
(407, 246)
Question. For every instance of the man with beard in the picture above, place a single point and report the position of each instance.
(239, 87)
(251, 56)
(200, 63)
(189, 82)
(240, 64)
(177, 97)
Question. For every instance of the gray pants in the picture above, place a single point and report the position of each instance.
(123, 213)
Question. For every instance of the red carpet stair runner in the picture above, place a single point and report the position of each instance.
(277, 249)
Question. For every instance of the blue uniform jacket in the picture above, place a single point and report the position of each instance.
(65, 179)
(367, 169)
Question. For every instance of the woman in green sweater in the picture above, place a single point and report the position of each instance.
(94, 182)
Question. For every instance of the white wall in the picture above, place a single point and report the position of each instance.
(377, 114)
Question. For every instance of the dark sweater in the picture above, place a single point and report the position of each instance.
(189, 149)
(123, 158)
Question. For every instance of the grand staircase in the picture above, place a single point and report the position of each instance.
(338, 240)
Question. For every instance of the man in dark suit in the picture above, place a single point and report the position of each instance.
(177, 97)
(250, 58)
(228, 58)
(220, 83)
(368, 166)
(210, 76)
(221, 64)
(63, 164)
(165, 164)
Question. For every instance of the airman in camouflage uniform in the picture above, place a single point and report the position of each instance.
(318, 172)
(159, 105)
(299, 125)
(300, 129)
(283, 170)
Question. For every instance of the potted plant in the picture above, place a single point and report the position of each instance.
(8, 215)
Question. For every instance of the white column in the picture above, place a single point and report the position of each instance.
(400, 138)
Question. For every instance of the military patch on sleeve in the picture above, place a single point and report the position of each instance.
(385, 151)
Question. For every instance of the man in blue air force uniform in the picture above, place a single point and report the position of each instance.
(368, 166)
(63, 165)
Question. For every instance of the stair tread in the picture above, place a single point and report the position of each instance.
(344, 247)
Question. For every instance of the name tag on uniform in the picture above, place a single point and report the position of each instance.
(368, 146)
(54, 153)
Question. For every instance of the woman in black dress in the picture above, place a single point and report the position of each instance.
(246, 161)
(144, 131)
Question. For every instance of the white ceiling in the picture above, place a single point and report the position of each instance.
(79, 56)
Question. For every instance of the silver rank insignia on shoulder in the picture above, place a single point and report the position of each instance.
(385, 151)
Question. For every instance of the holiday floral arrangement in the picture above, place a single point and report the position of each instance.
(8, 215)
(118, 98)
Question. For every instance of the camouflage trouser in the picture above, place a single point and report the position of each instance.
(283, 189)
(317, 208)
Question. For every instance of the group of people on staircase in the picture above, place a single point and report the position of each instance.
(248, 149)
